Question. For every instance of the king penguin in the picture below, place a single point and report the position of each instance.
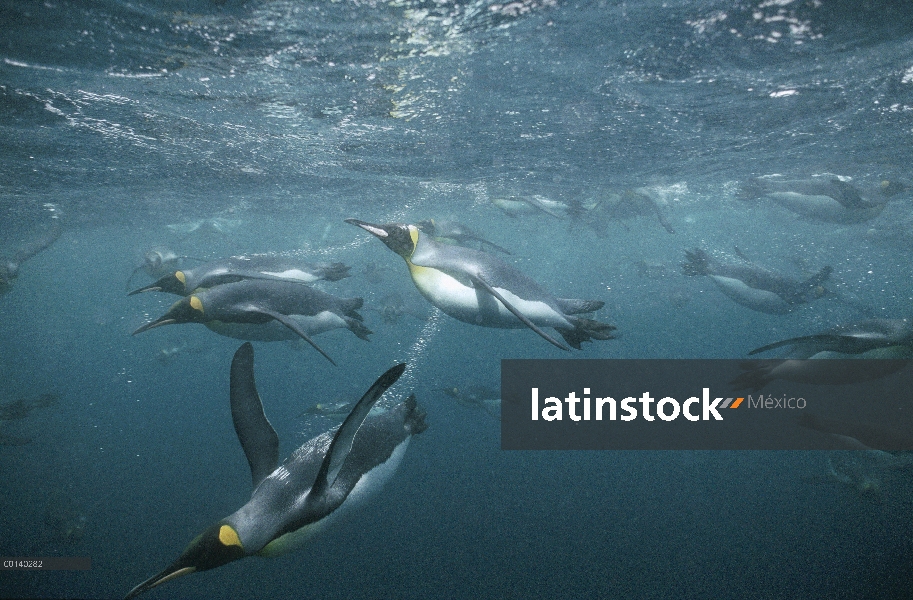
(475, 287)
(754, 286)
(253, 266)
(825, 198)
(871, 338)
(266, 310)
(326, 475)
(886, 343)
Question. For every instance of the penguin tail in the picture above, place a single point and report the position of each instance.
(755, 375)
(415, 416)
(350, 305)
(358, 328)
(570, 306)
(333, 271)
(698, 263)
(585, 330)
(751, 189)
(819, 278)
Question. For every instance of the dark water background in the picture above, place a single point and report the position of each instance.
(282, 118)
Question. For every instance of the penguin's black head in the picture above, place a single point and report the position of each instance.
(216, 546)
(890, 189)
(173, 283)
(398, 237)
(185, 310)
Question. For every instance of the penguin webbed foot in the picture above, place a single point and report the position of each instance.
(585, 330)
(358, 328)
(755, 375)
(698, 263)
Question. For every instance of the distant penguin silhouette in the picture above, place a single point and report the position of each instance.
(871, 338)
(754, 286)
(826, 198)
(36, 239)
(452, 232)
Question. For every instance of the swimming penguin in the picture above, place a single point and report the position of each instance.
(327, 474)
(252, 266)
(826, 198)
(36, 240)
(159, 262)
(521, 205)
(620, 206)
(266, 310)
(754, 286)
(478, 288)
(888, 340)
(858, 435)
(451, 232)
(871, 338)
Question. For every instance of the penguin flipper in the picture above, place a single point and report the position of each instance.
(847, 195)
(824, 338)
(481, 282)
(294, 327)
(494, 246)
(341, 444)
(257, 436)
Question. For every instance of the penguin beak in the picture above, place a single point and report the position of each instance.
(395, 236)
(149, 288)
(378, 230)
(170, 283)
(166, 320)
(172, 572)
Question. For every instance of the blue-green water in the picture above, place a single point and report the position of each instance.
(281, 119)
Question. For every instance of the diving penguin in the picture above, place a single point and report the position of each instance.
(475, 287)
(825, 198)
(158, 262)
(871, 338)
(754, 286)
(453, 232)
(331, 472)
(36, 240)
(266, 310)
(252, 266)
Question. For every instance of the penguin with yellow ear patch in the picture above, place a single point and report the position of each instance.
(476, 287)
(253, 266)
(266, 310)
(290, 502)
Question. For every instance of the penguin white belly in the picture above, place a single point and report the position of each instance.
(293, 275)
(823, 208)
(886, 352)
(755, 299)
(273, 331)
(368, 485)
(463, 302)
